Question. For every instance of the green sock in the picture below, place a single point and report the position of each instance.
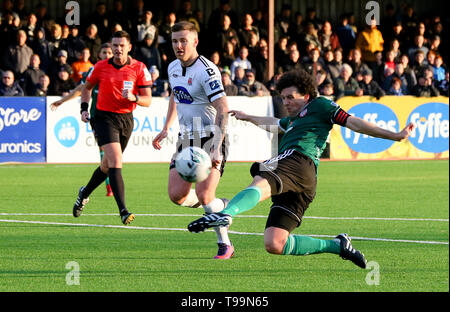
(101, 158)
(243, 201)
(305, 245)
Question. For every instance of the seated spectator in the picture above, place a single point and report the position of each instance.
(226, 33)
(439, 69)
(390, 60)
(160, 87)
(93, 42)
(73, 44)
(435, 43)
(345, 34)
(17, 56)
(246, 30)
(418, 46)
(82, 65)
(409, 72)
(378, 68)
(215, 58)
(228, 54)
(146, 28)
(315, 63)
(328, 91)
(260, 63)
(241, 61)
(396, 87)
(336, 64)
(42, 87)
(230, 88)
(281, 53)
(61, 60)
(431, 58)
(369, 86)
(322, 80)
(239, 76)
(358, 66)
(31, 75)
(9, 87)
(148, 53)
(399, 73)
(294, 61)
(251, 87)
(41, 47)
(345, 85)
(442, 86)
(425, 87)
(311, 36)
(63, 84)
(419, 62)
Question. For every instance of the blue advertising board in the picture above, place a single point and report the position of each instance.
(22, 129)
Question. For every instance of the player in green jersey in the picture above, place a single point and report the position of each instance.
(290, 178)
(104, 53)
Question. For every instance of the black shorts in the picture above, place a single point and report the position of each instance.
(205, 143)
(112, 127)
(292, 179)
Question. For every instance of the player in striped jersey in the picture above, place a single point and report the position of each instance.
(198, 99)
(104, 53)
(290, 179)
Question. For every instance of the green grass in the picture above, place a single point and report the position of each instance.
(33, 257)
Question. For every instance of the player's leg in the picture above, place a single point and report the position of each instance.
(181, 191)
(206, 193)
(108, 186)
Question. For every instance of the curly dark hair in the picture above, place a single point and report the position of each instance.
(300, 79)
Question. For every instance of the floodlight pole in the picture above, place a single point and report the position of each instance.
(271, 38)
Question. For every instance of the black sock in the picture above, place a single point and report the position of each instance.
(98, 177)
(118, 188)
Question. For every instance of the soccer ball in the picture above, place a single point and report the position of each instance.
(193, 164)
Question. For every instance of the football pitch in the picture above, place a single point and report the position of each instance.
(397, 213)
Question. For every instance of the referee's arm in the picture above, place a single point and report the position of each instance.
(85, 98)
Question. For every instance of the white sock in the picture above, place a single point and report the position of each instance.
(217, 205)
(191, 200)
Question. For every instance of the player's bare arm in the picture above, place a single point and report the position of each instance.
(265, 123)
(359, 125)
(170, 118)
(221, 106)
(73, 94)
(86, 93)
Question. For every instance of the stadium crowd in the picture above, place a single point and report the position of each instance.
(403, 55)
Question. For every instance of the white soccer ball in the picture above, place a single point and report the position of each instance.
(193, 164)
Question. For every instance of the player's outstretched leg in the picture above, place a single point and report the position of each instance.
(208, 221)
(80, 203)
(349, 253)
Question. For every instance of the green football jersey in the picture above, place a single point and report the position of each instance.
(307, 132)
(94, 92)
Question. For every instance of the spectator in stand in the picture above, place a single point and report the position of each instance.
(418, 46)
(160, 87)
(378, 68)
(435, 44)
(357, 64)
(439, 69)
(399, 74)
(73, 44)
(261, 62)
(311, 36)
(390, 60)
(215, 58)
(431, 58)
(311, 17)
(346, 35)
(251, 87)
(369, 86)
(253, 47)
(396, 87)
(322, 80)
(215, 22)
(226, 33)
(409, 72)
(294, 61)
(297, 29)
(246, 29)
(410, 21)
(328, 91)
(442, 86)
(146, 27)
(314, 63)
(9, 87)
(229, 87)
(31, 75)
(336, 64)
(259, 22)
(42, 87)
(241, 61)
(327, 38)
(239, 76)
(93, 42)
(394, 46)
(281, 53)
(119, 16)
(345, 85)
(137, 13)
(81, 66)
(369, 41)
(186, 14)
(396, 33)
(419, 62)
(228, 54)
(425, 86)
(41, 47)
(30, 27)
(55, 39)
(100, 19)
(283, 21)
(17, 57)
(63, 84)
(148, 53)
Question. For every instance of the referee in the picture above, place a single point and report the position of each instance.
(123, 83)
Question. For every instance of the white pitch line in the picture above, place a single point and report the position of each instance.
(231, 232)
(240, 216)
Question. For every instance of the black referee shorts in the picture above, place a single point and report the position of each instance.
(292, 179)
(204, 143)
(112, 127)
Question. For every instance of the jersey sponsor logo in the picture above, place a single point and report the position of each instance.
(214, 84)
(375, 113)
(67, 131)
(182, 95)
(210, 71)
(128, 85)
(432, 127)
